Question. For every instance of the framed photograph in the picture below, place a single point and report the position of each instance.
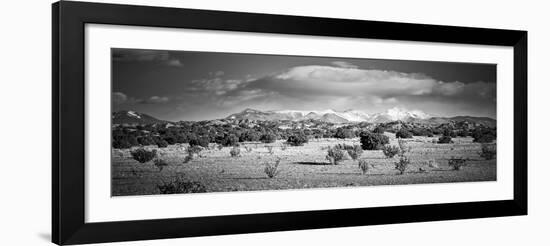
(177, 123)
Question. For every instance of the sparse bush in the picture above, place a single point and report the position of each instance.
(373, 141)
(142, 155)
(488, 152)
(179, 185)
(402, 164)
(432, 163)
(160, 163)
(445, 139)
(235, 151)
(404, 161)
(335, 155)
(402, 133)
(269, 149)
(403, 148)
(297, 140)
(271, 170)
(457, 163)
(191, 152)
(364, 166)
(268, 138)
(390, 150)
(248, 149)
(355, 152)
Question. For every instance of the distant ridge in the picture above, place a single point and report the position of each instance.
(354, 116)
(133, 117)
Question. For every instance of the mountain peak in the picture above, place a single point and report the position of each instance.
(133, 117)
(331, 115)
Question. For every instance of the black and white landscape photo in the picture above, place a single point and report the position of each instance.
(195, 122)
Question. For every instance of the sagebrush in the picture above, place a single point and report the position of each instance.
(335, 155)
(179, 185)
(271, 170)
(142, 155)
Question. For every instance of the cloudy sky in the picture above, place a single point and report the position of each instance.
(182, 85)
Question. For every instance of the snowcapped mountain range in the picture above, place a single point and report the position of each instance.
(332, 116)
(329, 116)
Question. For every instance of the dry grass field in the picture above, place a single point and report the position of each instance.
(300, 167)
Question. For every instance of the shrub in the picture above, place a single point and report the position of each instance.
(432, 163)
(379, 129)
(124, 142)
(421, 132)
(191, 152)
(355, 152)
(235, 151)
(334, 155)
(146, 141)
(373, 141)
(403, 148)
(488, 152)
(462, 133)
(200, 141)
(364, 166)
(390, 150)
(271, 169)
(179, 185)
(344, 133)
(457, 163)
(160, 163)
(402, 164)
(449, 132)
(249, 136)
(121, 144)
(230, 140)
(297, 140)
(161, 143)
(484, 136)
(445, 139)
(402, 133)
(142, 155)
(268, 138)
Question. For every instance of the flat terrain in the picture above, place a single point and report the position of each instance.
(300, 167)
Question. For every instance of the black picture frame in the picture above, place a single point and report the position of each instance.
(68, 122)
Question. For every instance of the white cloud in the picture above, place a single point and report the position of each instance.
(174, 63)
(118, 97)
(156, 100)
(343, 64)
(351, 81)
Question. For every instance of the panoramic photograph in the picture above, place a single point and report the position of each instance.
(198, 122)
